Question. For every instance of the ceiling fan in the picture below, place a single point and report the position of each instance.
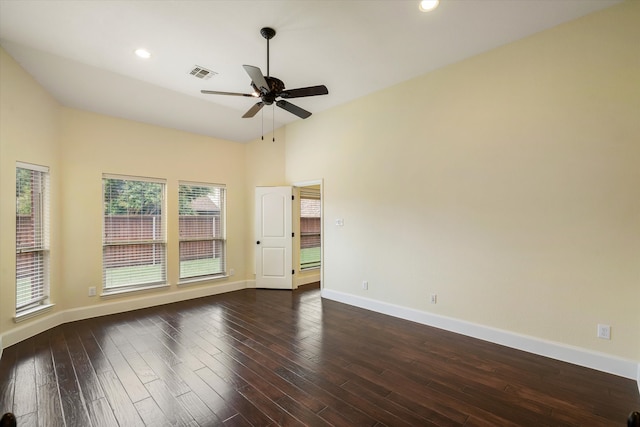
(269, 88)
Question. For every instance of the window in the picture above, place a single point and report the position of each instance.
(32, 236)
(134, 242)
(309, 228)
(202, 230)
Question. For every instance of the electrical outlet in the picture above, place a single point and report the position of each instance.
(604, 332)
(365, 285)
(232, 272)
(92, 291)
(434, 298)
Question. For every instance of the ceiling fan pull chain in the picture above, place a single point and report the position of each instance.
(273, 123)
(262, 131)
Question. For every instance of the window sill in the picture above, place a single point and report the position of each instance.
(32, 312)
(113, 293)
(302, 270)
(200, 280)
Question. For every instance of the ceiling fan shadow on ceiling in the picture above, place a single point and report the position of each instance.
(269, 88)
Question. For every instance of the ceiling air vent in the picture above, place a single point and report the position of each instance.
(202, 73)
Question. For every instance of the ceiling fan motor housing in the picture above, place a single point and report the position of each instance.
(276, 86)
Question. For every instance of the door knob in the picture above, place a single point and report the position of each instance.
(258, 242)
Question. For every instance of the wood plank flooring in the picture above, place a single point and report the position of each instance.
(266, 358)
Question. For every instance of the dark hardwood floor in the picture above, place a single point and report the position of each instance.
(260, 357)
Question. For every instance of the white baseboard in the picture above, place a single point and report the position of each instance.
(555, 350)
(150, 300)
(299, 279)
(33, 327)
(45, 322)
(251, 284)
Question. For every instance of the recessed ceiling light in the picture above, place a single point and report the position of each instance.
(143, 53)
(428, 5)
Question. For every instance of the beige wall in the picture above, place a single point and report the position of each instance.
(94, 144)
(508, 184)
(28, 133)
(79, 147)
(264, 167)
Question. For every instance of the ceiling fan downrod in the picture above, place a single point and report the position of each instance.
(268, 33)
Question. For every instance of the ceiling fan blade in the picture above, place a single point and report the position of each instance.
(294, 109)
(253, 110)
(305, 91)
(215, 92)
(257, 77)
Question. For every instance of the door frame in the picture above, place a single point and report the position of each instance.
(297, 280)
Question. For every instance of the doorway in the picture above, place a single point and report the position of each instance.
(308, 229)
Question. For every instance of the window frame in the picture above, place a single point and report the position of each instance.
(111, 289)
(41, 234)
(221, 240)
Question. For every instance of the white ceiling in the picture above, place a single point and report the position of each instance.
(82, 51)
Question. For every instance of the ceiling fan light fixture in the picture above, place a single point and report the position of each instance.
(142, 53)
(428, 5)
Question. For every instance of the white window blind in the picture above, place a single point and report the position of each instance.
(202, 230)
(32, 236)
(310, 228)
(134, 237)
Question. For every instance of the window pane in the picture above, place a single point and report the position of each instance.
(126, 265)
(133, 233)
(30, 278)
(201, 229)
(32, 285)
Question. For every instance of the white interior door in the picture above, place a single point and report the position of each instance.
(273, 238)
